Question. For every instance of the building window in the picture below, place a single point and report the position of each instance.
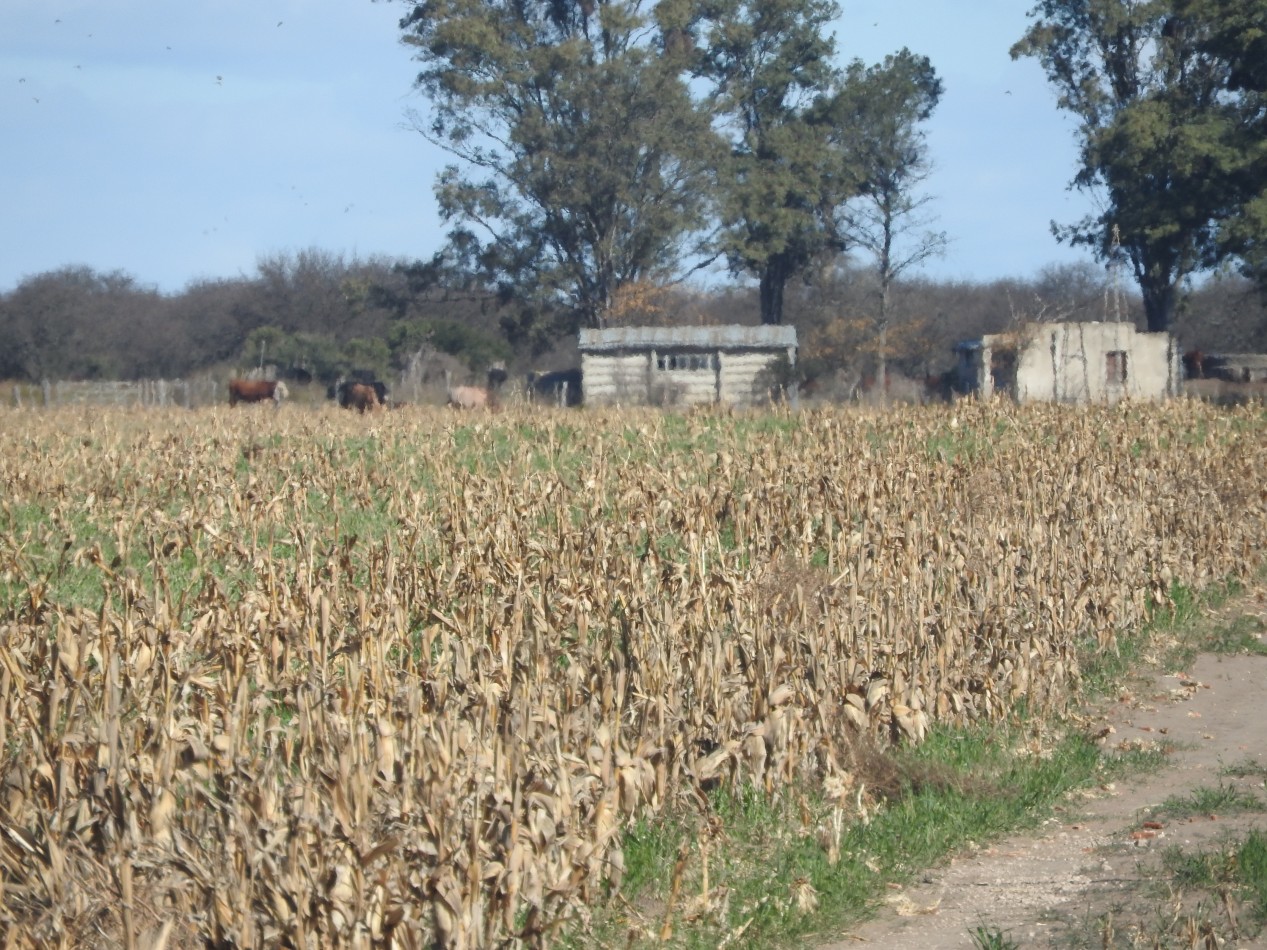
(678, 362)
(1115, 367)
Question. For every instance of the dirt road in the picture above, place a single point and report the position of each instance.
(1054, 887)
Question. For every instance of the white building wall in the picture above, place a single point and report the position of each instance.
(744, 377)
(683, 387)
(739, 378)
(614, 378)
(1070, 362)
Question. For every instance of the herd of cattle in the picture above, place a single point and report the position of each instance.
(366, 394)
(363, 396)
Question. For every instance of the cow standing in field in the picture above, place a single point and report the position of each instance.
(469, 397)
(363, 397)
(561, 386)
(1194, 365)
(472, 397)
(256, 390)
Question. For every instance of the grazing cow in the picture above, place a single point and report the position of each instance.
(359, 395)
(363, 397)
(497, 376)
(561, 386)
(256, 390)
(1194, 364)
(467, 397)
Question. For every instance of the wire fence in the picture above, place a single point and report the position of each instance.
(182, 393)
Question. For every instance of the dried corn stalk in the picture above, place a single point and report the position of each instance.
(269, 678)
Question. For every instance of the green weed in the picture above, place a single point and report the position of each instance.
(992, 938)
(1223, 799)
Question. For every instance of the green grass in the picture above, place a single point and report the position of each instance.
(985, 937)
(786, 869)
(1251, 872)
(969, 443)
(1132, 761)
(1238, 868)
(1247, 768)
(1221, 799)
(1244, 636)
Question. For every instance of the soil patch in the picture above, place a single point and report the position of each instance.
(1095, 860)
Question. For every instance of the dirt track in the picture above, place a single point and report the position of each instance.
(1049, 888)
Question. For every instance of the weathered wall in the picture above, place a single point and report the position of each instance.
(745, 377)
(739, 378)
(608, 378)
(1069, 363)
(683, 365)
(683, 387)
(1074, 362)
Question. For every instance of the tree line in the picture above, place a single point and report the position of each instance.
(314, 315)
(318, 316)
(606, 151)
(602, 144)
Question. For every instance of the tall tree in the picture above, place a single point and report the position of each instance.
(880, 111)
(584, 164)
(1234, 32)
(770, 62)
(1154, 131)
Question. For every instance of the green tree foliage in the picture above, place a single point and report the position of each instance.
(76, 323)
(1156, 130)
(476, 348)
(879, 111)
(1234, 33)
(770, 63)
(584, 164)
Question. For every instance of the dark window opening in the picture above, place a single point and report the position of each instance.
(686, 361)
(1115, 367)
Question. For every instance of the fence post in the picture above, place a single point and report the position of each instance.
(47, 390)
(17, 396)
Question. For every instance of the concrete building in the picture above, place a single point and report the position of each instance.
(1072, 362)
(668, 366)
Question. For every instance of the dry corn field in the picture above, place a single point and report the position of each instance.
(314, 679)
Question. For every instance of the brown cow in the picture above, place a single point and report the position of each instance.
(363, 397)
(1194, 364)
(256, 390)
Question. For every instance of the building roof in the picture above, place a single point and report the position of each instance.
(727, 337)
(1013, 337)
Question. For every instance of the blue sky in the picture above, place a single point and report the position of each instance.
(185, 140)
